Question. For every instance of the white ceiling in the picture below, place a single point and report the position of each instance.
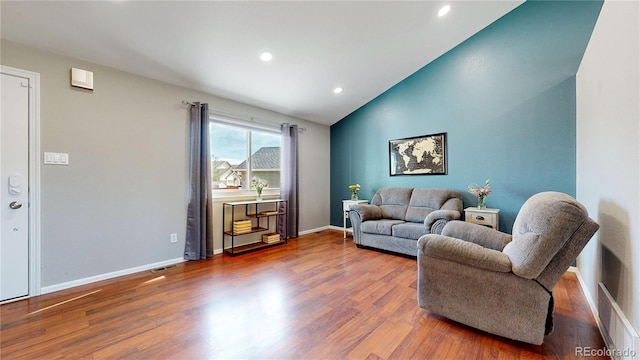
(365, 47)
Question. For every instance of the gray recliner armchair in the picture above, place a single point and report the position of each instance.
(502, 283)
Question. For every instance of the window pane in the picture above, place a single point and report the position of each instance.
(230, 149)
(229, 155)
(265, 158)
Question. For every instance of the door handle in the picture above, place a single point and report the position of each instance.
(15, 205)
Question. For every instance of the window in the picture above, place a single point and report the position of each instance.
(231, 165)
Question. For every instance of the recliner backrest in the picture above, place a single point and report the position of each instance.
(549, 232)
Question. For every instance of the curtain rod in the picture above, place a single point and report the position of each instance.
(250, 119)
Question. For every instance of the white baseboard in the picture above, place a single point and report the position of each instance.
(219, 250)
(620, 338)
(111, 275)
(328, 227)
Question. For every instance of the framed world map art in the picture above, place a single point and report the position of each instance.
(420, 155)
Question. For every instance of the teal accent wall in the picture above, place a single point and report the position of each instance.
(506, 98)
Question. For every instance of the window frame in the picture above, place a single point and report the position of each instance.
(249, 126)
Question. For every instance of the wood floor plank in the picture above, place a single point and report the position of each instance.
(347, 337)
(382, 341)
(316, 297)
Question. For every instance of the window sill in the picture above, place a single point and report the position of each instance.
(241, 194)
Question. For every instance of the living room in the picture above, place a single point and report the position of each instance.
(558, 115)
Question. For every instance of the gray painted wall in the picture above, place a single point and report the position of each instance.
(124, 190)
(608, 154)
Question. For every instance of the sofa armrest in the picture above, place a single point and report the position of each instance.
(367, 212)
(477, 234)
(463, 252)
(445, 215)
(360, 213)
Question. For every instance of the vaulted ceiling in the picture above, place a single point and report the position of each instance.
(364, 47)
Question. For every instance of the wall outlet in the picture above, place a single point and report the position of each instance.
(174, 238)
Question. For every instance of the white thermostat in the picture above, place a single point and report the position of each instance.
(82, 78)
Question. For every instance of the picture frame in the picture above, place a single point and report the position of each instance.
(419, 155)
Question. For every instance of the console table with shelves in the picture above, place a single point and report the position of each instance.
(267, 218)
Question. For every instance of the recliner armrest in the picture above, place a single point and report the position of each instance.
(477, 234)
(463, 252)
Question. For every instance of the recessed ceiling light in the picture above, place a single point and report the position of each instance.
(266, 56)
(337, 90)
(444, 10)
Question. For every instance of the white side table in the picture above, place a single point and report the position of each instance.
(487, 217)
(345, 210)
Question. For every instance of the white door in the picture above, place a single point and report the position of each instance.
(14, 190)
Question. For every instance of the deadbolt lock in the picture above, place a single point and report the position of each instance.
(15, 205)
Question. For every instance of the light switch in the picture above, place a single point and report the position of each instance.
(56, 158)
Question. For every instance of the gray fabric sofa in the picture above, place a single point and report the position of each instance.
(502, 283)
(397, 217)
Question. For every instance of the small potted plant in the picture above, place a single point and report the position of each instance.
(481, 192)
(354, 191)
(258, 184)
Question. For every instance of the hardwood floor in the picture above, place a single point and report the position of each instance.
(317, 297)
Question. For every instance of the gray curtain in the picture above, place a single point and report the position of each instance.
(289, 177)
(199, 237)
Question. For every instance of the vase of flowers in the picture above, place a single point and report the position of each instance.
(354, 191)
(481, 192)
(258, 184)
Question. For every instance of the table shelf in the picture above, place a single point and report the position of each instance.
(254, 246)
(267, 216)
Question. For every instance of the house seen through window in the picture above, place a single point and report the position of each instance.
(239, 153)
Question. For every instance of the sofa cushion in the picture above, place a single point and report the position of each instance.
(417, 214)
(424, 201)
(393, 202)
(409, 230)
(396, 212)
(380, 227)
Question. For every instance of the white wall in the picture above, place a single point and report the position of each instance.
(608, 154)
(125, 188)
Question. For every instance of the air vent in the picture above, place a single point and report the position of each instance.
(163, 268)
